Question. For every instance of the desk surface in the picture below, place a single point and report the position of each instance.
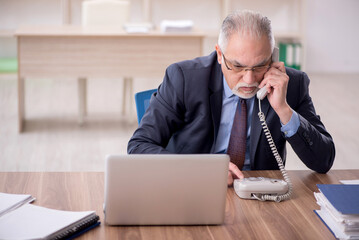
(245, 219)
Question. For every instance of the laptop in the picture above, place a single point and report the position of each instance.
(165, 189)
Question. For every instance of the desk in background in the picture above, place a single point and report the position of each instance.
(97, 52)
(245, 219)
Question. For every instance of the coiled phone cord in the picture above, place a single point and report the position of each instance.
(265, 197)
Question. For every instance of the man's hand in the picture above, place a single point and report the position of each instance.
(276, 80)
(233, 173)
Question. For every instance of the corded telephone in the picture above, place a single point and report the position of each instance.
(265, 188)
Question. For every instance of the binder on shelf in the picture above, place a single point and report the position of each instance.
(297, 56)
(339, 209)
(290, 54)
(28, 221)
(283, 53)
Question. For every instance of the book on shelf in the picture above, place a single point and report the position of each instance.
(339, 209)
(22, 220)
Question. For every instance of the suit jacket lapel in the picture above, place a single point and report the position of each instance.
(216, 89)
(256, 127)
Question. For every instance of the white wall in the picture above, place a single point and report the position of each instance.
(332, 35)
(331, 31)
(19, 12)
(284, 14)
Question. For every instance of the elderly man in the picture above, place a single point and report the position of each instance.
(208, 105)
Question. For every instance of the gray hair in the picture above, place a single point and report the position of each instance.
(245, 22)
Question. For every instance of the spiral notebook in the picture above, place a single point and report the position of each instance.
(34, 222)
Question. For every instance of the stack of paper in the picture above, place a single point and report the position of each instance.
(138, 27)
(339, 209)
(176, 26)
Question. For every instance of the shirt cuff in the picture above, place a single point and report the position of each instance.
(292, 126)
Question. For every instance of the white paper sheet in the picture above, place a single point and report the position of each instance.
(356, 181)
(9, 202)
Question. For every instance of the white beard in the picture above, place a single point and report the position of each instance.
(245, 95)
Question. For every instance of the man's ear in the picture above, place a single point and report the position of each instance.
(219, 54)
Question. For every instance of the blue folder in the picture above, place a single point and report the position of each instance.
(345, 198)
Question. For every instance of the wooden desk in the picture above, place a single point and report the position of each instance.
(245, 219)
(102, 52)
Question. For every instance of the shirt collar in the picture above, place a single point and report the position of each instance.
(226, 90)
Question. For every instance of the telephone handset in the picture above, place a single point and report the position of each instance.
(265, 188)
(262, 93)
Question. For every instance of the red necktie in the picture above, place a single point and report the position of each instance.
(237, 142)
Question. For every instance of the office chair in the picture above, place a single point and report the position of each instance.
(142, 100)
(104, 13)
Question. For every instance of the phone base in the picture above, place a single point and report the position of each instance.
(250, 188)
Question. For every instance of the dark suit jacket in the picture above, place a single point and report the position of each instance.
(184, 117)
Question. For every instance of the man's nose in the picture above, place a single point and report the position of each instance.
(249, 77)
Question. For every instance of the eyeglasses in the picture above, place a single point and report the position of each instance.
(259, 70)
